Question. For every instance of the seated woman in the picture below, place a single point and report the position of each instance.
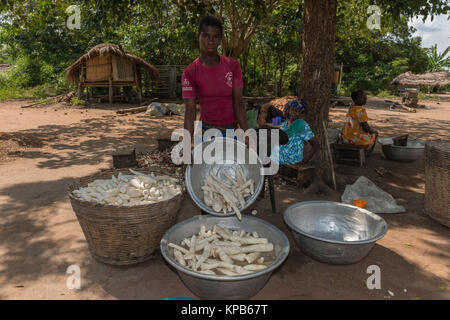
(298, 132)
(356, 130)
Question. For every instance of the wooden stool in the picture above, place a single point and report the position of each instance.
(401, 140)
(349, 153)
(297, 173)
(125, 158)
(271, 191)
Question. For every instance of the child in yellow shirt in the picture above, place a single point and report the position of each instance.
(356, 130)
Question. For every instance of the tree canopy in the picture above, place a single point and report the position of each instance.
(266, 37)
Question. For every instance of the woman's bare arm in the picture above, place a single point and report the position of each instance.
(190, 115)
(189, 119)
(368, 129)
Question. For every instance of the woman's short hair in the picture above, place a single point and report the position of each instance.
(209, 21)
(359, 97)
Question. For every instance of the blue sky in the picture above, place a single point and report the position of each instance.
(433, 32)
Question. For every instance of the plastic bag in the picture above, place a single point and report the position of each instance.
(378, 201)
(155, 109)
(177, 109)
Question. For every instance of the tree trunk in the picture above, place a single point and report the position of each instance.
(266, 64)
(244, 60)
(318, 60)
(282, 67)
(274, 83)
(318, 51)
(254, 70)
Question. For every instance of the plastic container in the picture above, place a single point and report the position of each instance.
(360, 203)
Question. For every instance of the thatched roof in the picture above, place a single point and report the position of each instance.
(433, 79)
(73, 72)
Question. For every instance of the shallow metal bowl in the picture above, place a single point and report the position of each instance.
(411, 152)
(225, 287)
(334, 232)
(234, 154)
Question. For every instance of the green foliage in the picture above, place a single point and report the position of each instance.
(76, 101)
(438, 61)
(385, 94)
(425, 96)
(29, 72)
(35, 39)
(375, 58)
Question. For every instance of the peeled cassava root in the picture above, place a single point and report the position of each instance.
(221, 251)
(130, 190)
(224, 197)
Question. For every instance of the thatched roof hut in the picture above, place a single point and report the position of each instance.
(109, 65)
(433, 79)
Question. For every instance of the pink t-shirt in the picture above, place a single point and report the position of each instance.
(213, 86)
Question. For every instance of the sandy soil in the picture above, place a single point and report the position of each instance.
(40, 236)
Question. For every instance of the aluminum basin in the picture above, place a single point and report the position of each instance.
(225, 287)
(411, 152)
(229, 162)
(334, 232)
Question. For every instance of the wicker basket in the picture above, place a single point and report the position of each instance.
(123, 235)
(437, 181)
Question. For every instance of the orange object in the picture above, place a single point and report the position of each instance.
(360, 203)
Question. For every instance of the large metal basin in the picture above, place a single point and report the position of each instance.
(225, 287)
(333, 232)
(411, 152)
(229, 161)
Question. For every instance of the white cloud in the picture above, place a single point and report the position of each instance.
(433, 32)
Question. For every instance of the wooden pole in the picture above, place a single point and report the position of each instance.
(330, 157)
(136, 80)
(110, 80)
(173, 82)
(340, 75)
(110, 92)
(79, 90)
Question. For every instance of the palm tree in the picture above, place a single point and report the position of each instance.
(438, 61)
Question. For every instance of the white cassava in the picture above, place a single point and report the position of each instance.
(130, 190)
(223, 252)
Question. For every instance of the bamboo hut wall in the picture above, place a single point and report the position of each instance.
(122, 69)
(98, 68)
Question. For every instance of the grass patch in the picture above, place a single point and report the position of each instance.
(424, 96)
(386, 94)
(15, 93)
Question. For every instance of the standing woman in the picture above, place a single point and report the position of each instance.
(216, 81)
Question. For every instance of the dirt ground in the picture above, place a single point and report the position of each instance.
(43, 149)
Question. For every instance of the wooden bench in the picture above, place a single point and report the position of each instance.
(349, 153)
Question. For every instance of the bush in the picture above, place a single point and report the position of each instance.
(76, 101)
(28, 72)
(343, 91)
(9, 89)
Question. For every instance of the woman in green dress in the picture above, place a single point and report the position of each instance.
(299, 133)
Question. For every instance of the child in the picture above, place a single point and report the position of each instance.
(356, 130)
